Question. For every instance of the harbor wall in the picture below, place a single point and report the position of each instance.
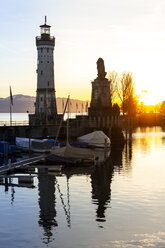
(77, 127)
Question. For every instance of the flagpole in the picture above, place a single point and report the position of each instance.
(11, 103)
(10, 114)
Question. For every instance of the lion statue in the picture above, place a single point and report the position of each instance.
(101, 68)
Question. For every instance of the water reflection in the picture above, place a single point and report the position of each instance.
(101, 188)
(135, 220)
(141, 240)
(13, 181)
(141, 141)
(122, 157)
(127, 156)
(147, 139)
(66, 207)
(12, 195)
(116, 157)
(46, 188)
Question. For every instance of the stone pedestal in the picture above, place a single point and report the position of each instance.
(99, 111)
(100, 99)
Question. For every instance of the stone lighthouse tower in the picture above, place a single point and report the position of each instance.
(45, 105)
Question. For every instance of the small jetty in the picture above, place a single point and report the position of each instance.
(10, 167)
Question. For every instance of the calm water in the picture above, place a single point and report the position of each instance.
(16, 117)
(23, 118)
(113, 206)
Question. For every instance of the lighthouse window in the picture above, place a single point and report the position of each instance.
(41, 72)
(47, 61)
(47, 50)
(41, 99)
(41, 50)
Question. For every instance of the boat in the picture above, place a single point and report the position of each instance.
(15, 149)
(58, 160)
(96, 139)
(71, 156)
(5, 148)
(37, 145)
(80, 144)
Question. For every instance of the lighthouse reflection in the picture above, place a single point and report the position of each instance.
(46, 187)
(49, 187)
(101, 189)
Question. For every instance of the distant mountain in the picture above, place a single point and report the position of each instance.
(21, 104)
(24, 103)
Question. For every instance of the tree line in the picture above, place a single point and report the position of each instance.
(124, 99)
(122, 93)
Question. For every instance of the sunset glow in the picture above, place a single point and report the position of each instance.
(129, 36)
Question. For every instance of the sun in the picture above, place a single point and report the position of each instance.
(150, 98)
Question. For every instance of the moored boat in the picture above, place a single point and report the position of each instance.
(36, 145)
(58, 160)
(71, 156)
(96, 139)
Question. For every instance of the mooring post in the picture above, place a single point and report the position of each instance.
(6, 184)
(10, 179)
(29, 146)
(9, 164)
(105, 149)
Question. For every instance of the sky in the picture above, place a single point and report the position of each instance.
(128, 34)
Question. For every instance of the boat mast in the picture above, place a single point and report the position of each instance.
(67, 139)
(67, 102)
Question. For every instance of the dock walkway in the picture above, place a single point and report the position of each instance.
(4, 169)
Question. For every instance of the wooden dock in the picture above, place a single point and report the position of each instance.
(10, 167)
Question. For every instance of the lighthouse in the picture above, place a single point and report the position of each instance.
(45, 105)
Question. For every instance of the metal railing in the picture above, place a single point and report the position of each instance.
(52, 38)
(14, 123)
(26, 122)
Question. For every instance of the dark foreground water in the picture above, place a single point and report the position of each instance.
(114, 206)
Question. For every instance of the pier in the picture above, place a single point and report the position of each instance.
(10, 167)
